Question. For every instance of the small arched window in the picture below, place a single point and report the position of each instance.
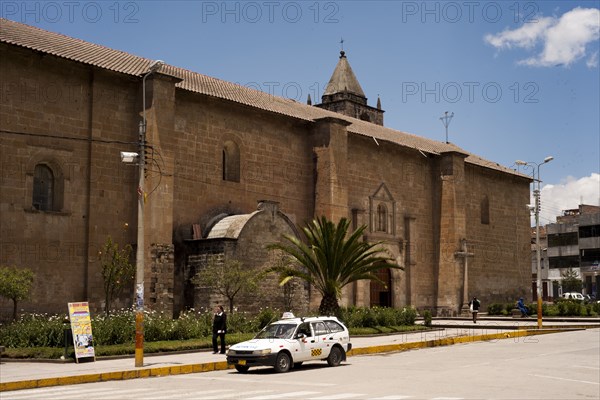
(485, 210)
(382, 218)
(231, 162)
(43, 188)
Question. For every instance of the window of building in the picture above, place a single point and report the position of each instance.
(231, 162)
(485, 210)
(562, 239)
(382, 218)
(43, 188)
(589, 231)
(564, 262)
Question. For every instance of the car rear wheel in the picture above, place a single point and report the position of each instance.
(282, 363)
(335, 357)
(242, 368)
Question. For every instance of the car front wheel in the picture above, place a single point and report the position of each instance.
(242, 368)
(282, 363)
(335, 357)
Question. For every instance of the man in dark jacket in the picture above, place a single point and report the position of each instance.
(219, 329)
(474, 306)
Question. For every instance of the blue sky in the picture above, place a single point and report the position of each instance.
(521, 77)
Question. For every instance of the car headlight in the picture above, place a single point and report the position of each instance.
(231, 352)
(262, 352)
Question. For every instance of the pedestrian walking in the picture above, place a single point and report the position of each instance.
(219, 329)
(474, 307)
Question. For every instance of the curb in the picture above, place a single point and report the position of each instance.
(222, 365)
(450, 341)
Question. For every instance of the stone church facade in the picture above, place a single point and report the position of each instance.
(229, 170)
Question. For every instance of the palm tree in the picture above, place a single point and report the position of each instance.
(329, 261)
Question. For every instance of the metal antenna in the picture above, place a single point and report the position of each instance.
(446, 121)
(342, 43)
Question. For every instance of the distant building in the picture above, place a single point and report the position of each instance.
(573, 242)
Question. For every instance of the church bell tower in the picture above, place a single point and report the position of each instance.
(344, 95)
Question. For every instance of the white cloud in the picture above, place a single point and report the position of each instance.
(568, 194)
(526, 36)
(592, 62)
(564, 39)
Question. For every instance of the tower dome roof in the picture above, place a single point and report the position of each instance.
(343, 79)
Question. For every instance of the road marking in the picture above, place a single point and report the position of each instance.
(166, 394)
(448, 398)
(564, 379)
(236, 378)
(282, 395)
(475, 365)
(67, 393)
(338, 396)
(391, 398)
(236, 395)
(585, 366)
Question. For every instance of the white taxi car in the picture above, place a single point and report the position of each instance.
(292, 341)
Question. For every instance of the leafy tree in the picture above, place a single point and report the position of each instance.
(330, 260)
(15, 284)
(117, 271)
(228, 278)
(570, 281)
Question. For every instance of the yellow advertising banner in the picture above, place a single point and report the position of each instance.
(81, 326)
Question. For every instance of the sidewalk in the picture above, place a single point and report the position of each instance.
(25, 375)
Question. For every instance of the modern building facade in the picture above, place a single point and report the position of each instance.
(229, 170)
(573, 242)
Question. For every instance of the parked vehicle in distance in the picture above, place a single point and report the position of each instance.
(291, 341)
(573, 296)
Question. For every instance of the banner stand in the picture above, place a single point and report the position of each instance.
(81, 327)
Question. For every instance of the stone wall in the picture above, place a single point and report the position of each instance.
(77, 119)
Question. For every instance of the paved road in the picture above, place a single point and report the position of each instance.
(555, 366)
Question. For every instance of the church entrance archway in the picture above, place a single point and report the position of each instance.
(381, 295)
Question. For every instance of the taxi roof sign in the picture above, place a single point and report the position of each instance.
(288, 315)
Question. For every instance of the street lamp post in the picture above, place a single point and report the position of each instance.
(536, 194)
(140, 253)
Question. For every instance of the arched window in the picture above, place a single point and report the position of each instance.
(382, 218)
(231, 162)
(43, 188)
(485, 211)
(365, 117)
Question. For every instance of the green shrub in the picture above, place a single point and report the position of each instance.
(41, 330)
(408, 316)
(427, 317)
(495, 309)
(34, 330)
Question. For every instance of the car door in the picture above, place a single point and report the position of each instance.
(303, 345)
(323, 340)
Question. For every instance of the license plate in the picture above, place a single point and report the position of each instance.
(241, 362)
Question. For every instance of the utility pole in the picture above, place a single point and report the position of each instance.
(141, 253)
(537, 184)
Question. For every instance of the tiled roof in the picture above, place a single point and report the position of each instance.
(114, 60)
(230, 227)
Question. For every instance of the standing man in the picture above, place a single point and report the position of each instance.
(219, 329)
(474, 306)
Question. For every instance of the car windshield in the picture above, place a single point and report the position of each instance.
(277, 331)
